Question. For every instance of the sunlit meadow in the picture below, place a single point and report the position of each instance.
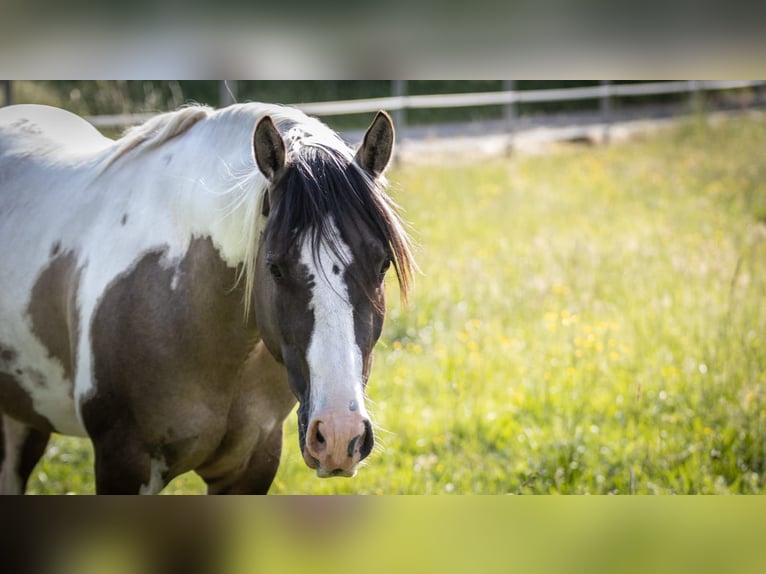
(590, 320)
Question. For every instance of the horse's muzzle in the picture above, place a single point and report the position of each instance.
(335, 444)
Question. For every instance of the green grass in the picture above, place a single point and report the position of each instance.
(588, 321)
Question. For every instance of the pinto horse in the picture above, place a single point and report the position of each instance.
(170, 294)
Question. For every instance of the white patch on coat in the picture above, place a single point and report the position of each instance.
(43, 378)
(334, 359)
(156, 482)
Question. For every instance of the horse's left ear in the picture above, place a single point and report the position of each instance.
(269, 148)
(377, 145)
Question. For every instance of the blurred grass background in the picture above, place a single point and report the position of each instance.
(587, 321)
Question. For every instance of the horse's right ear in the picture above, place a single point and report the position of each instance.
(377, 145)
(269, 148)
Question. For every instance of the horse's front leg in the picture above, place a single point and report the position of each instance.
(248, 462)
(139, 450)
(123, 466)
(257, 474)
(21, 447)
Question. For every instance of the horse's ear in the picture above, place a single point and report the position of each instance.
(269, 148)
(377, 145)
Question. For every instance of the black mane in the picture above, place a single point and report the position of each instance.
(320, 181)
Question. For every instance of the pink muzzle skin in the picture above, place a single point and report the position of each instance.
(337, 442)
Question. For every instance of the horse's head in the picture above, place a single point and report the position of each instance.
(319, 296)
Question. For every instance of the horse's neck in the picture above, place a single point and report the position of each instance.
(197, 189)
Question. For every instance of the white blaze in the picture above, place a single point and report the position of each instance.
(334, 358)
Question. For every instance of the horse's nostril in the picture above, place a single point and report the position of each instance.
(368, 440)
(316, 443)
(352, 445)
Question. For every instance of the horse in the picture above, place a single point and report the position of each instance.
(171, 294)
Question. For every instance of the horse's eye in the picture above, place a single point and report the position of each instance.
(385, 266)
(275, 270)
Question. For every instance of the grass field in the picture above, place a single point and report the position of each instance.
(588, 321)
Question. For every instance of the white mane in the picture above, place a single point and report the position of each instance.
(158, 130)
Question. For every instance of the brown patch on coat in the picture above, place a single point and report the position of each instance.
(17, 403)
(168, 343)
(7, 356)
(14, 399)
(367, 293)
(53, 310)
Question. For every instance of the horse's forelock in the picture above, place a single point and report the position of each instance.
(322, 184)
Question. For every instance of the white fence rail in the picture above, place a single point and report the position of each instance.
(604, 92)
(516, 96)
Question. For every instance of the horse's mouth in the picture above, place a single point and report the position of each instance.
(311, 462)
(347, 473)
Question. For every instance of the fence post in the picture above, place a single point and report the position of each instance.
(606, 107)
(227, 93)
(398, 89)
(7, 100)
(759, 94)
(510, 114)
(695, 97)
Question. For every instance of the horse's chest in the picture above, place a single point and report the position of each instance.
(168, 342)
